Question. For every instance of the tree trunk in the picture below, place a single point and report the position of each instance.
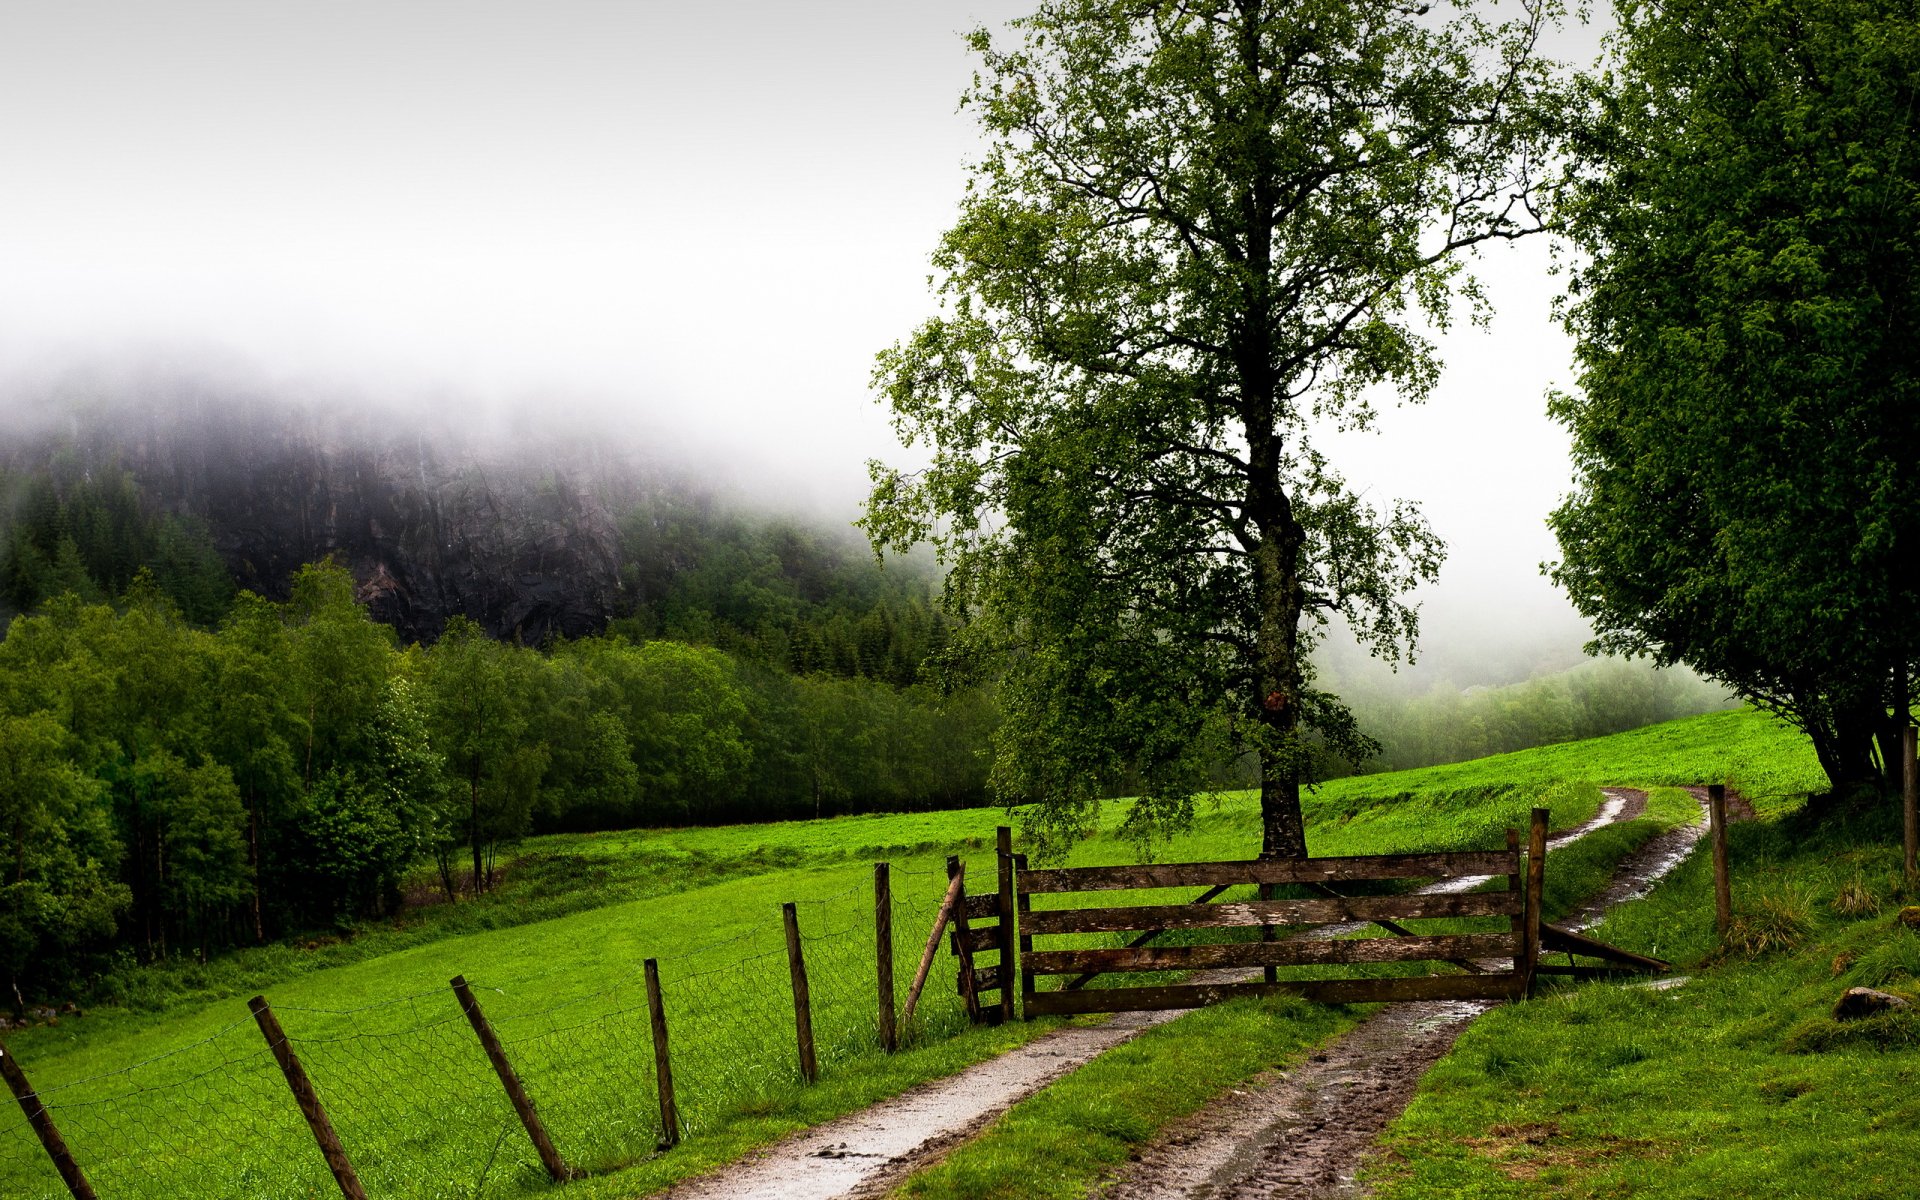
(473, 831)
(253, 860)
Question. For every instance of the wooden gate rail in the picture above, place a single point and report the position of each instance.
(1285, 870)
(1517, 943)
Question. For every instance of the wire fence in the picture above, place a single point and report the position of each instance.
(418, 1106)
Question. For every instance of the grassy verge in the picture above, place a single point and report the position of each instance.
(1738, 1083)
(1061, 1141)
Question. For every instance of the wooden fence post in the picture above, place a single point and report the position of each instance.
(1025, 905)
(969, 995)
(1910, 802)
(307, 1099)
(516, 1094)
(1536, 891)
(1003, 841)
(662, 1065)
(802, 1005)
(883, 953)
(1717, 828)
(42, 1122)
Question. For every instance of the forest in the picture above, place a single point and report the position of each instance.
(186, 767)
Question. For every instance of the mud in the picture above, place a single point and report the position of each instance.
(1301, 1132)
(1294, 1133)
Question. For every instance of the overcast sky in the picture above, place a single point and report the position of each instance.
(698, 221)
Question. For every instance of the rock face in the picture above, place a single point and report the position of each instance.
(521, 539)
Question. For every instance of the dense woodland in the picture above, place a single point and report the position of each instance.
(185, 767)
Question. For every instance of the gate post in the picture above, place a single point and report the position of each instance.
(1008, 969)
(1536, 887)
(962, 943)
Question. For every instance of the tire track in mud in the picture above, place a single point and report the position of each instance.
(1302, 1130)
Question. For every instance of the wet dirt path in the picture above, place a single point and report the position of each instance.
(1305, 1121)
(1301, 1134)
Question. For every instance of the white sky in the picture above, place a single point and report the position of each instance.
(699, 221)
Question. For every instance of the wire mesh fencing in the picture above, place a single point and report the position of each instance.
(420, 1110)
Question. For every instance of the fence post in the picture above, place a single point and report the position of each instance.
(516, 1094)
(662, 1065)
(1717, 828)
(42, 1122)
(1536, 890)
(1910, 801)
(1025, 906)
(963, 943)
(1003, 839)
(802, 1006)
(883, 953)
(307, 1099)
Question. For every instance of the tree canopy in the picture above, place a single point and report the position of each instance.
(1200, 233)
(1747, 422)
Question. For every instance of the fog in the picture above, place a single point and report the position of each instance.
(681, 228)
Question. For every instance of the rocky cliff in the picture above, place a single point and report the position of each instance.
(518, 537)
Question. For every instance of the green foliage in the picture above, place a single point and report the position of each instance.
(1193, 240)
(65, 531)
(288, 771)
(58, 892)
(1746, 422)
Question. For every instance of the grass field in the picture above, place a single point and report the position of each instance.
(1738, 1083)
(173, 1093)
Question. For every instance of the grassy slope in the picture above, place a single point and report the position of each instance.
(1116, 1103)
(599, 897)
(1738, 1083)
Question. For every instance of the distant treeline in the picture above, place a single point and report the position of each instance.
(1590, 700)
(167, 789)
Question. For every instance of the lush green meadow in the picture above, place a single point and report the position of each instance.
(180, 1088)
(1737, 1083)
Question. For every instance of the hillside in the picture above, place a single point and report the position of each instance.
(375, 1016)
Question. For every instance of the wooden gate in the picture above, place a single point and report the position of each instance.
(1517, 946)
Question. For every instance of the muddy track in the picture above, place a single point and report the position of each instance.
(1297, 1133)
(1300, 1134)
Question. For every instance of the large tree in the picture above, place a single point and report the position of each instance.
(1200, 234)
(1747, 423)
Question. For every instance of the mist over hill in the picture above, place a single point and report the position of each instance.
(533, 529)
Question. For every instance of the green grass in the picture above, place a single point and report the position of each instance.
(175, 1084)
(1738, 1083)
